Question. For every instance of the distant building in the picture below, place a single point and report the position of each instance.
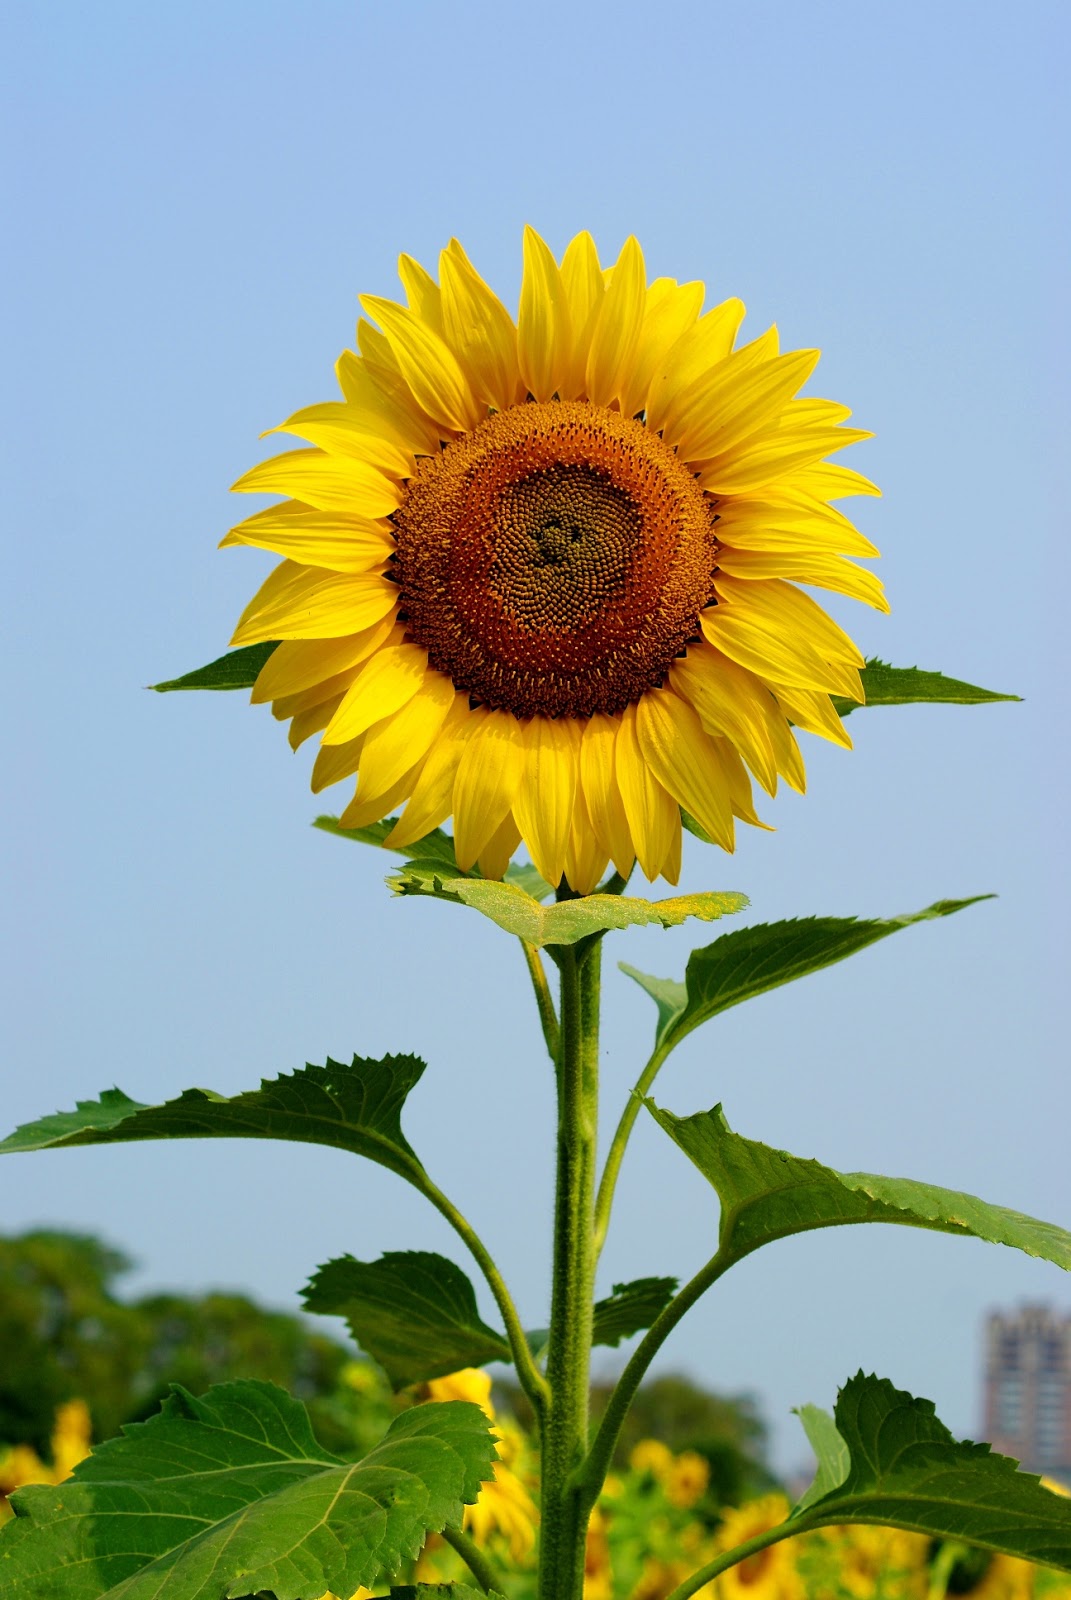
(1028, 1388)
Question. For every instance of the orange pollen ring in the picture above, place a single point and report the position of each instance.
(554, 561)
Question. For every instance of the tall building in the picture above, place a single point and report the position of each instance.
(1028, 1388)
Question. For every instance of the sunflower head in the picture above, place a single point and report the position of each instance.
(541, 576)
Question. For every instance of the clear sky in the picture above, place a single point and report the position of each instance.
(196, 194)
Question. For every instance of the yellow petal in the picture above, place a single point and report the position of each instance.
(670, 310)
(733, 401)
(365, 809)
(427, 365)
(543, 806)
(336, 761)
(488, 777)
(697, 350)
(785, 519)
(433, 794)
(671, 867)
(730, 702)
(584, 288)
(479, 330)
(306, 723)
(316, 538)
(400, 741)
(602, 796)
(298, 602)
(768, 457)
(652, 814)
(814, 712)
(327, 482)
(298, 664)
(737, 783)
(544, 330)
(421, 292)
(822, 572)
(753, 642)
(616, 334)
(327, 689)
(796, 614)
(497, 853)
(389, 681)
(341, 428)
(585, 859)
(385, 396)
(679, 753)
(826, 482)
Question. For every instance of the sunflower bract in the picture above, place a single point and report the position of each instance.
(541, 577)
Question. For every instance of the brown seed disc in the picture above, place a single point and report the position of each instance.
(554, 560)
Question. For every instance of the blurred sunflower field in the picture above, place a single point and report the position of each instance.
(660, 1517)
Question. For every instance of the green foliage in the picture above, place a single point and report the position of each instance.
(630, 1308)
(767, 1194)
(238, 669)
(355, 1107)
(413, 1311)
(751, 961)
(726, 1429)
(433, 853)
(64, 1334)
(568, 921)
(906, 1471)
(831, 1453)
(231, 1494)
(901, 686)
(441, 1591)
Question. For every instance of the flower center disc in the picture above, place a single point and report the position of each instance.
(554, 560)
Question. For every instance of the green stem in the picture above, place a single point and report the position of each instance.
(616, 1153)
(472, 1556)
(564, 1434)
(589, 1478)
(548, 1017)
(731, 1558)
(529, 1376)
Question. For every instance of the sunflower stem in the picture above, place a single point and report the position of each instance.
(548, 1017)
(619, 1142)
(589, 1477)
(564, 1433)
(472, 1556)
(740, 1552)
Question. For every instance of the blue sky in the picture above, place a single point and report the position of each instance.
(198, 193)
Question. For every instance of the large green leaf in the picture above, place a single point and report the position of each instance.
(433, 853)
(753, 960)
(231, 1494)
(901, 686)
(767, 1194)
(238, 669)
(569, 920)
(831, 1453)
(415, 1312)
(356, 1107)
(632, 1307)
(906, 1471)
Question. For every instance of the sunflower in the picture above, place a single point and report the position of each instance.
(769, 1574)
(542, 576)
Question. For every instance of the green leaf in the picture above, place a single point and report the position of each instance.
(231, 1494)
(567, 921)
(442, 1591)
(907, 1471)
(238, 669)
(834, 1460)
(767, 1194)
(751, 961)
(433, 854)
(630, 1308)
(901, 686)
(356, 1107)
(413, 1311)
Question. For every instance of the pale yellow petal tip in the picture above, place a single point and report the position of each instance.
(229, 540)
